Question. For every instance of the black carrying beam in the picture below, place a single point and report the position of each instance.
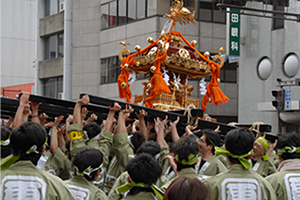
(152, 113)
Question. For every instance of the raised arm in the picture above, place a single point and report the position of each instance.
(23, 110)
(143, 128)
(77, 110)
(174, 133)
(35, 112)
(110, 117)
(160, 131)
(54, 139)
(123, 115)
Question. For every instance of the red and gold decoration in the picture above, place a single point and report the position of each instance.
(169, 62)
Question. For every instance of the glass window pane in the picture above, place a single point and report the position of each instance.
(60, 45)
(113, 13)
(59, 85)
(49, 87)
(131, 10)
(50, 47)
(278, 23)
(230, 76)
(51, 7)
(151, 8)
(104, 72)
(122, 12)
(104, 16)
(205, 11)
(141, 6)
(112, 68)
(218, 15)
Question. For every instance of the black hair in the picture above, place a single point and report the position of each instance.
(5, 150)
(88, 157)
(92, 129)
(150, 147)
(143, 169)
(289, 139)
(238, 141)
(183, 148)
(24, 137)
(137, 140)
(212, 137)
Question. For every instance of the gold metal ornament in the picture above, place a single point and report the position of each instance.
(137, 63)
(149, 86)
(206, 54)
(194, 43)
(219, 80)
(150, 39)
(126, 66)
(152, 69)
(123, 85)
(209, 100)
(137, 48)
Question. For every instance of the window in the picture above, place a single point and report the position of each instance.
(120, 12)
(110, 70)
(278, 22)
(52, 6)
(54, 46)
(52, 86)
(208, 11)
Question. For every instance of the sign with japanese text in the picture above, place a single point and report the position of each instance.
(234, 33)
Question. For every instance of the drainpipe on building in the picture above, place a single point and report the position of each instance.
(68, 32)
(40, 47)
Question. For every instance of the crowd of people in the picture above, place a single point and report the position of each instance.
(81, 159)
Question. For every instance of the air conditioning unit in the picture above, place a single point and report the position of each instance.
(62, 6)
(60, 95)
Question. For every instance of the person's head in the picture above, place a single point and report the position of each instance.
(209, 140)
(150, 147)
(28, 141)
(135, 140)
(238, 142)
(288, 146)
(183, 188)
(260, 148)
(143, 169)
(5, 141)
(91, 130)
(88, 163)
(186, 151)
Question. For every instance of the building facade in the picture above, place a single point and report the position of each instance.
(18, 25)
(77, 46)
(270, 51)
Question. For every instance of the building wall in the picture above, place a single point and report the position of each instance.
(274, 44)
(18, 25)
(90, 44)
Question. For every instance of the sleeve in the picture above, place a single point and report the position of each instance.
(271, 168)
(122, 150)
(78, 143)
(100, 195)
(105, 144)
(59, 164)
(164, 162)
(113, 195)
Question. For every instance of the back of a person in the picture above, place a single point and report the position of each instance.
(83, 189)
(24, 179)
(286, 184)
(141, 196)
(239, 181)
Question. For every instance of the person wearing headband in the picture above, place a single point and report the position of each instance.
(239, 181)
(208, 164)
(286, 182)
(19, 175)
(261, 162)
(186, 152)
(143, 171)
(87, 164)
